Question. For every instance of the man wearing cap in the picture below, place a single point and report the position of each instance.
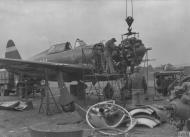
(109, 47)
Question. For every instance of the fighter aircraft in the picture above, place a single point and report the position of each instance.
(63, 63)
(73, 62)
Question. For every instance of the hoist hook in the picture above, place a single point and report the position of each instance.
(129, 21)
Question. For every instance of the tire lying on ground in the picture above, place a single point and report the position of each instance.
(141, 110)
(147, 121)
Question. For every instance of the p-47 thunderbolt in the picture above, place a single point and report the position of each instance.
(63, 63)
(75, 62)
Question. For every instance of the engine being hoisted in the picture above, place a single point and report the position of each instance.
(131, 53)
(131, 49)
(128, 54)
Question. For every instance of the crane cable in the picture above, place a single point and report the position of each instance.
(131, 8)
(129, 19)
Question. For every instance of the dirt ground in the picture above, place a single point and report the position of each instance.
(16, 124)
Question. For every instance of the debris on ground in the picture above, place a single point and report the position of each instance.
(16, 105)
(149, 115)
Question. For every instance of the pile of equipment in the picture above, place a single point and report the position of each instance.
(111, 119)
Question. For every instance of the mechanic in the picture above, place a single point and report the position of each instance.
(109, 47)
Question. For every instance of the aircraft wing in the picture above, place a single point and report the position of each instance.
(37, 68)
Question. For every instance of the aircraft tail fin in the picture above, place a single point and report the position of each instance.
(11, 51)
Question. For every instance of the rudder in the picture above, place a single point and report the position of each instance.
(11, 51)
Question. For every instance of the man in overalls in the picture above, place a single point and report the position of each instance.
(109, 47)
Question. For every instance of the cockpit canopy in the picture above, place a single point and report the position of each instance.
(59, 48)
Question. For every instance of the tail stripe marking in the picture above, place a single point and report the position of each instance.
(10, 49)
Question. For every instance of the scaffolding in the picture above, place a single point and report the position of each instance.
(100, 80)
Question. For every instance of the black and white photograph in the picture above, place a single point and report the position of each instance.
(94, 68)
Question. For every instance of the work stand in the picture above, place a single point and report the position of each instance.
(47, 100)
(47, 97)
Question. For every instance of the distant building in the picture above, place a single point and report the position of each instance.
(187, 70)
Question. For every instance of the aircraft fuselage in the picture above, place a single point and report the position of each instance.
(73, 56)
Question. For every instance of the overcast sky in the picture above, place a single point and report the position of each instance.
(34, 25)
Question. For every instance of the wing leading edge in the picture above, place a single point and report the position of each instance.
(37, 68)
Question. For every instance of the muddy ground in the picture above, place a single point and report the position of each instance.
(17, 124)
